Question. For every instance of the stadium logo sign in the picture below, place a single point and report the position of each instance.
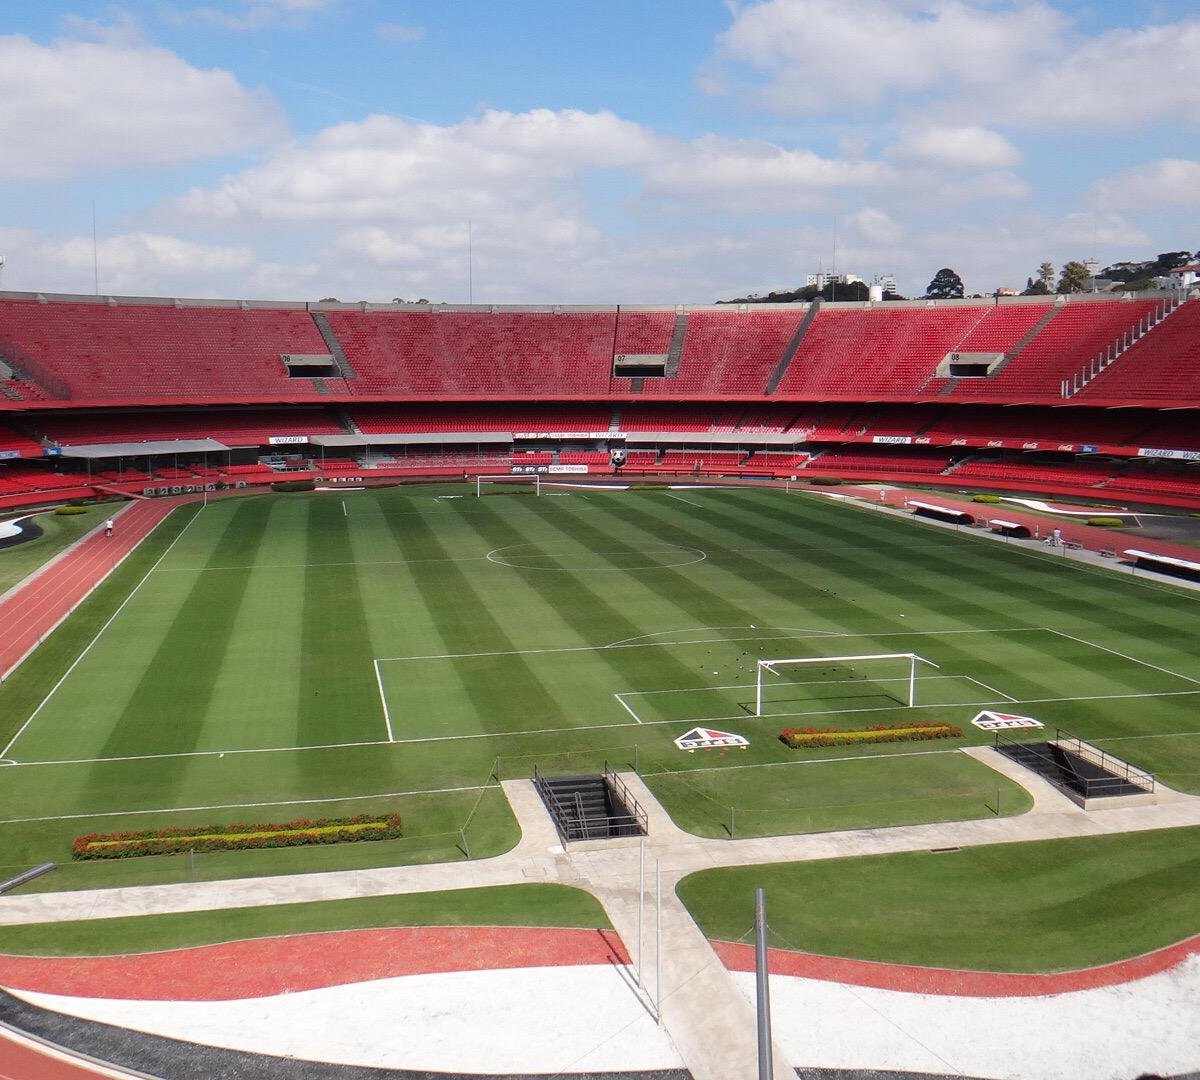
(700, 738)
(1002, 721)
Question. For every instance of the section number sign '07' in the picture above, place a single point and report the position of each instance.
(701, 738)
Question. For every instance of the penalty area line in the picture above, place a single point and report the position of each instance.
(387, 716)
(1126, 656)
(625, 706)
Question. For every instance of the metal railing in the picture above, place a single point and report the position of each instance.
(1119, 767)
(1052, 761)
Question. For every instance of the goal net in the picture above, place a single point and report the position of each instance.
(780, 684)
(490, 485)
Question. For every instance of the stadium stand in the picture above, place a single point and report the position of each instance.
(894, 351)
(870, 459)
(254, 427)
(1077, 332)
(143, 351)
(1164, 365)
(854, 385)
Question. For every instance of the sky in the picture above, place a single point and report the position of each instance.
(607, 151)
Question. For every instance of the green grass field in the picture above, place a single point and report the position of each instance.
(503, 905)
(1049, 905)
(329, 653)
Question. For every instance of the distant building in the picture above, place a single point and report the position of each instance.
(1007, 290)
(821, 280)
(1182, 277)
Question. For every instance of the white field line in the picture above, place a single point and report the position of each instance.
(743, 716)
(387, 716)
(806, 761)
(991, 689)
(195, 754)
(240, 806)
(310, 565)
(814, 682)
(805, 630)
(345, 512)
(605, 727)
(1159, 735)
(88, 648)
(625, 706)
(695, 641)
(1126, 656)
(680, 498)
(67, 551)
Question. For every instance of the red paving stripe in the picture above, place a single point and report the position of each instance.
(263, 967)
(949, 982)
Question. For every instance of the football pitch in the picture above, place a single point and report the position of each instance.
(276, 656)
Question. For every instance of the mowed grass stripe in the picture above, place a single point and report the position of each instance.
(465, 625)
(339, 698)
(166, 712)
(254, 702)
(595, 618)
(606, 533)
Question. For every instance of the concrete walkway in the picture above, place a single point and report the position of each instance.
(708, 1018)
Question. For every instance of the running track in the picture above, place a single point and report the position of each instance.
(35, 607)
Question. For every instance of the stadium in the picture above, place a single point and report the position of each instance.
(884, 608)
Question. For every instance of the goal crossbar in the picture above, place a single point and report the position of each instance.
(509, 478)
(796, 661)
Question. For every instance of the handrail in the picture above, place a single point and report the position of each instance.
(1109, 762)
(1063, 775)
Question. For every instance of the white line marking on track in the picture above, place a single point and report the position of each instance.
(88, 648)
(625, 706)
(387, 716)
(807, 631)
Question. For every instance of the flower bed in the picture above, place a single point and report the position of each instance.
(179, 839)
(800, 738)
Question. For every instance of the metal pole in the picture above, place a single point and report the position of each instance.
(641, 906)
(658, 941)
(765, 1065)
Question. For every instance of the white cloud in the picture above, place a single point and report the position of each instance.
(810, 55)
(1120, 79)
(1022, 64)
(405, 35)
(877, 227)
(968, 147)
(743, 174)
(251, 14)
(116, 102)
(1166, 183)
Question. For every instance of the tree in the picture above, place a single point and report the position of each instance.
(946, 285)
(1035, 288)
(1074, 278)
(1045, 278)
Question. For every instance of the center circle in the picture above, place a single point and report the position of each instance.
(658, 557)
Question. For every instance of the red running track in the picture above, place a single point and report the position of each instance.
(35, 607)
(264, 967)
(950, 982)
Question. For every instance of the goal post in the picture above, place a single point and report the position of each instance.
(767, 668)
(505, 479)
